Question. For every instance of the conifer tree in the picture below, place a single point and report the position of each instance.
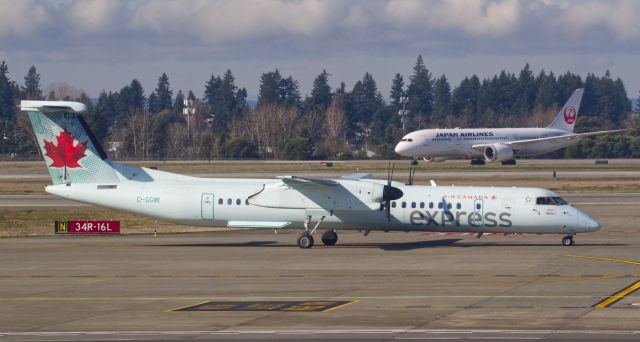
(163, 93)
(289, 92)
(152, 102)
(420, 90)
(441, 98)
(7, 108)
(270, 91)
(397, 90)
(137, 95)
(31, 89)
(320, 97)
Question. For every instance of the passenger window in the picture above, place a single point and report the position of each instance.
(430, 205)
(413, 204)
(393, 204)
(220, 201)
(404, 204)
(449, 205)
(421, 205)
(440, 205)
(238, 201)
(229, 201)
(458, 206)
(478, 206)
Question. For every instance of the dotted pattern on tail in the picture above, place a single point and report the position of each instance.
(93, 169)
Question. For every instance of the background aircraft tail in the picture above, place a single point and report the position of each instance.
(70, 150)
(566, 118)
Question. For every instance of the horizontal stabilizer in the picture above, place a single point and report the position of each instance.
(257, 224)
(52, 106)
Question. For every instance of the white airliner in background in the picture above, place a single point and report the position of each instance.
(81, 171)
(497, 144)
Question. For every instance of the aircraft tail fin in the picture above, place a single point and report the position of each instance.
(566, 118)
(70, 150)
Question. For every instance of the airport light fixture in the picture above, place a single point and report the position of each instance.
(403, 112)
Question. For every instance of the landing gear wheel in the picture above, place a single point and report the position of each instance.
(305, 240)
(477, 162)
(330, 237)
(509, 162)
(567, 240)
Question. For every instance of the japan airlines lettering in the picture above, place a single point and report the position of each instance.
(463, 134)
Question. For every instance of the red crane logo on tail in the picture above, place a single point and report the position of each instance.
(570, 115)
(65, 154)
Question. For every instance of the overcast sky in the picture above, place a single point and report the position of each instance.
(104, 44)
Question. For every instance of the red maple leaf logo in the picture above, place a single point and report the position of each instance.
(65, 154)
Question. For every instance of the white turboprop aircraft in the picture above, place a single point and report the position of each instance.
(81, 171)
(496, 144)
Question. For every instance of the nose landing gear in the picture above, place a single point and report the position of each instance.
(305, 240)
(567, 240)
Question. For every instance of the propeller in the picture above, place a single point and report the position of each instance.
(390, 193)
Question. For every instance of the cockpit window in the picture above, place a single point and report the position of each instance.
(550, 201)
(410, 140)
(405, 139)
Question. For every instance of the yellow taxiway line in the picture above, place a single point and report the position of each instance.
(607, 302)
(618, 295)
(603, 259)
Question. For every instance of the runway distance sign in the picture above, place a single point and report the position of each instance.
(88, 227)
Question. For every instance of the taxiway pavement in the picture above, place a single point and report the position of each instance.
(399, 285)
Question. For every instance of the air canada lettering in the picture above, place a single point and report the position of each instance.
(463, 134)
(445, 217)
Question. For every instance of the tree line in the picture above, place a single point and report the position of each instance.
(327, 123)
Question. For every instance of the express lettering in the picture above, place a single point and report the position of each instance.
(474, 218)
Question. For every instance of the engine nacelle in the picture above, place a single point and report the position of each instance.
(498, 153)
(434, 159)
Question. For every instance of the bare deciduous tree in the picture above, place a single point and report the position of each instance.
(335, 124)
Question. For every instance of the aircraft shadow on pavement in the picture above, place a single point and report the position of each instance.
(393, 246)
(384, 246)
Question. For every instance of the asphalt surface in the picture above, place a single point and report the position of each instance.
(398, 285)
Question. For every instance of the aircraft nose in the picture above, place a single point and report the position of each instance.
(588, 224)
(594, 225)
(401, 148)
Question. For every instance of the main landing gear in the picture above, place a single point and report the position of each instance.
(567, 240)
(330, 237)
(305, 240)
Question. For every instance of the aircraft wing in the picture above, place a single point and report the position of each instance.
(295, 180)
(358, 176)
(519, 143)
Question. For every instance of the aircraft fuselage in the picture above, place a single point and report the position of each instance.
(228, 202)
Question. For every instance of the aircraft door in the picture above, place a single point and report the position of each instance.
(206, 206)
(477, 218)
(456, 143)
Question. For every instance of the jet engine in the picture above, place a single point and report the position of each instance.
(498, 153)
